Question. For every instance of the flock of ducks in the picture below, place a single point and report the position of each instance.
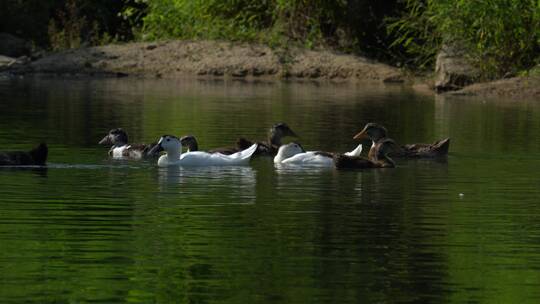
(379, 155)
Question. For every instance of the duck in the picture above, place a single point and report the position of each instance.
(190, 142)
(375, 132)
(34, 157)
(269, 147)
(120, 148)
(174, 156)
(294, 154)
(379, 159)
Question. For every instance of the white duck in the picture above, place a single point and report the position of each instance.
(175, 157)
(294, 154)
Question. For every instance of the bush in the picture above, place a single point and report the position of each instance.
(214, 19)
(500, 36)
(350, 25)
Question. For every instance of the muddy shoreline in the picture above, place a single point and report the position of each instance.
(220, 59)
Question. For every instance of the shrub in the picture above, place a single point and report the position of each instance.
(500, 36)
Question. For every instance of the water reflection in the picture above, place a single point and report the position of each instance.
(90, 229)
(233, 184)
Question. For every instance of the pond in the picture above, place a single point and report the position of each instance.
(92, 229)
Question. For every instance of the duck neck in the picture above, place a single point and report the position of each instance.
(376, 136)
(372, 154)
(280, 156)
(193, 147)
(274, 139)
(386, 162)
(119, 144)
(174, 153)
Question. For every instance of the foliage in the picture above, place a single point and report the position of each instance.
(212, 19)
(351, 25)
(36, 20)
(500, 36)
(68, 34)
(27, 19)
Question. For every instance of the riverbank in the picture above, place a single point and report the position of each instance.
(174, 59)
(517, 88)
(219, 59)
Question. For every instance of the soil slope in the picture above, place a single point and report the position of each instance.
(214, 59)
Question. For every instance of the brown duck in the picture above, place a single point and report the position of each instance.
(269, 147)
(378, 157)
(376, 132)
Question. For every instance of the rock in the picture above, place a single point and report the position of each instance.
(13, 46)
(239, 72)
(9, 63)
(6, 61)
(396, 78)
(452, 70)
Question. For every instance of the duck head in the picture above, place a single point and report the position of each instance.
(168, 143)
(116, 137)
(288, 150)
(190, 142)
(372, 131)
(382, 148)
(278, 131)
(39, 154)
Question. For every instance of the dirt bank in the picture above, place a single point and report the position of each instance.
(211, 59)
(511, 88)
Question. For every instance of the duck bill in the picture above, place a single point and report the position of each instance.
(361, 136)
(155, 149)
(105, 141)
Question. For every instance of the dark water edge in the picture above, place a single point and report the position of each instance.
(90, 229)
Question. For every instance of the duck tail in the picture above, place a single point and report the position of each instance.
(39, 154)
(242, 143)
(245, 154)
(356, 152)
(442, 146)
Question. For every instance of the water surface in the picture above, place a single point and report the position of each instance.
(90, 229)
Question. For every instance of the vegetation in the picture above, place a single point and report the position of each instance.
(62, 24)
(500, 36)
(349, 25)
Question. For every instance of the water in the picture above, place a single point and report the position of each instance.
(90, 229)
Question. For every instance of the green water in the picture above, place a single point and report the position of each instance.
(90, 229)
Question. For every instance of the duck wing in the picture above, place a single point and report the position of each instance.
(438, 148)
(312, 158)
(17, 158)
(133, 151)
(147, 148)
(241, 144)
(343, 161)
(245, 154)
(6, 159)
(263, 148)
(199, 158)
(224, 150)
